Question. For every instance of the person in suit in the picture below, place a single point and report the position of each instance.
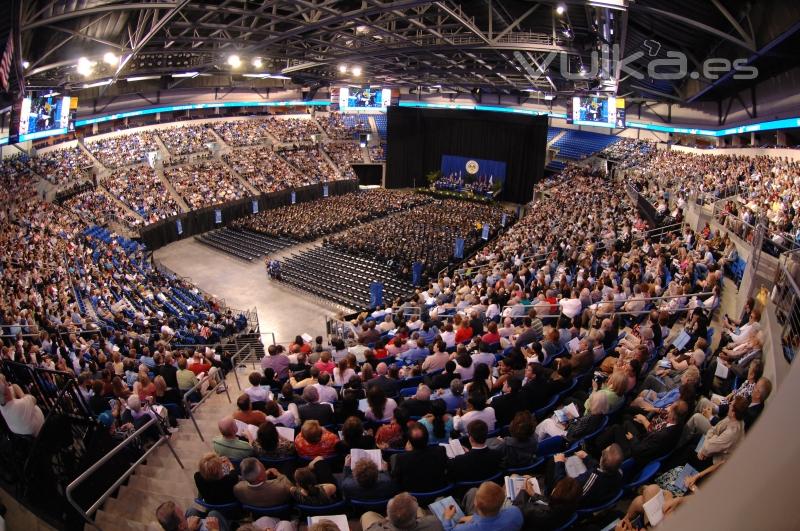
(421, 468)
(390, 386)
(600, 481)
(313, 410)
(261, 487)
(510, 402)
(420, 404)
(479, 462)
(761, 392)
(549, 512)
(534, 389)
(645, 440)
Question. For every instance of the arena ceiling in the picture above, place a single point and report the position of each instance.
(478, 46)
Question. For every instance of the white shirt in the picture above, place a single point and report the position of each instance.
(326, 393)
(571, 307)
(487, 415)
(23, 416)
(259, 394)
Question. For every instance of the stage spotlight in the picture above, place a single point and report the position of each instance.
(561, 9)
(110, 58)
(342, 68)
(257, 62)
(356, 71)
(25, 64)
(234, 61)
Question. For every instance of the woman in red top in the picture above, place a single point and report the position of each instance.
(325, 364)
(315, 441)
(299, 346)
(491, 337)
(380, 349)
(464, 332)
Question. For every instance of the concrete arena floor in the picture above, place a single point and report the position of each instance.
(281, 309)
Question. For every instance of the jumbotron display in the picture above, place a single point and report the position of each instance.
(43, 116)
(598, 110)
(364, 98)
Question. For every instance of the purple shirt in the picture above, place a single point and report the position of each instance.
(278, 363)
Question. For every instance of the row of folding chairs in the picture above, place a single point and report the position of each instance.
(234, 250)
(336, 272)
(333, 293)
(364, 267)
(268, 244)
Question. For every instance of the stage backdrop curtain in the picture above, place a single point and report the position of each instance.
(203, 220)
(417, 139)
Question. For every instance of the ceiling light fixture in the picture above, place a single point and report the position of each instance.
(342, 68)
(25, 64)
(234, 61)
(84, 66)
(356, 71)
(257, 62)
(110, 58)
(561, 9)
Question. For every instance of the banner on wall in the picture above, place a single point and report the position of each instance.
(179, 226)
(503, 220)
(458, 252)
(481, 176)
(325, 190)
(375, 294)
(485, 231)
(218, 216)
(255, 206)
(294, 197)
(416, 273)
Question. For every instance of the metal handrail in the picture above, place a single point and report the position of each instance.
(190, 408)
(103, 460)
(662, 298)
(235, 362)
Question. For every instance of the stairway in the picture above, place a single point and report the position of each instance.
(252, 189)
(171, 189)
(161, 478)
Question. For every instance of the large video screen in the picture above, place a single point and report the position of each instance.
(595, 110)
(364, 98)
(42, 116)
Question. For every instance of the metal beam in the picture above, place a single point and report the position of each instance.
(464, 22)
(96, 10)
(748, 38)
(693, 24)
(515, 23)
(138, 46)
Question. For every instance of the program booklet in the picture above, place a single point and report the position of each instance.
(438, 507)
(453, 448)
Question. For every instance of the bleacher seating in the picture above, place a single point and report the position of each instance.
(380, 123)
(552, 132)
(577, 145)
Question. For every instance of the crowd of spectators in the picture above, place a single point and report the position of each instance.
(310, 163)
(629, 152)
(241, 133)
(337, 128)
(292, 130)
(142, 190)
(311, 220)
(343, 154)
(123, 150)
(206, 183)
(266, 170)
(97, 207)
(424, 234)
(378, 152)
(61, 166)
(183, 140)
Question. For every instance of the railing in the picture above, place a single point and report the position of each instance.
(191, 407)
(163, 439)
(240, 359)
